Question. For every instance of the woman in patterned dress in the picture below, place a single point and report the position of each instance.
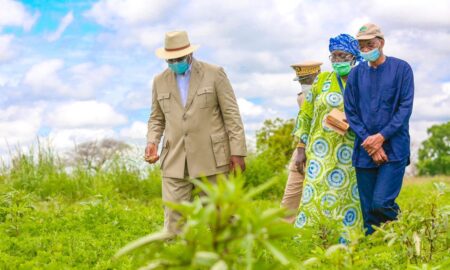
(330, 180)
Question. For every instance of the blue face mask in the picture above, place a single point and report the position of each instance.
(372, 55)
(179, 67)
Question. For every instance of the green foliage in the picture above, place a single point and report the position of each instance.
(221, 231)
(14, 206)
(259, 172)
(274, 142)
(274, 149)
(421, 234)
(55, 218)
(418, 240)
(323, 231)
(44, 175)
(434, 154)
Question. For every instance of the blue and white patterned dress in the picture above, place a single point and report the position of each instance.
(330, 179)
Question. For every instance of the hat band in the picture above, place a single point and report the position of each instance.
(178, 49)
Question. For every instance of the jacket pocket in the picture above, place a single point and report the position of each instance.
(164, 153)
(164, 102)
(206, 97)
(219, 145)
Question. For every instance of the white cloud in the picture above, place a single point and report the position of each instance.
(6, 50)
(17, 131)
(13, 13)
(43, 77)
(19, 125)
(68, 138)
(3, 80)
(251, 127)
(136, 99)
(265, 85)
(433, 107)
(81, 80)
(248, 108)
(286, 101)
(65, 22)
(87, 79)
(129, 12)
(418, 130)
(254, 43)
(84, 114)
(137, 131)
(413, 13)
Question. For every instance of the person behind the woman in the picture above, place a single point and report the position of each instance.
(330, 180)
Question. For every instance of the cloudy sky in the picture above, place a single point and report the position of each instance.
(72, 71)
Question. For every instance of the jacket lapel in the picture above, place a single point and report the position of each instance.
(173, 87)
(196, 78)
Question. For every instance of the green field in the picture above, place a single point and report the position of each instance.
(52, 219)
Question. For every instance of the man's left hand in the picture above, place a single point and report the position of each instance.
(373, 143)
(237, 161)
(380, 157)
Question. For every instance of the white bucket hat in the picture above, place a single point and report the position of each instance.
(176, 45)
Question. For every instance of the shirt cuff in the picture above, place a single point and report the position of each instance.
(386, 134)
(238, 148)
(153, 141)
(362, 135)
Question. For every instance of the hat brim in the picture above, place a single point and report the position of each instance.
(162, 53)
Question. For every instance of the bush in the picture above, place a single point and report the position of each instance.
(259, 171)
(434, 154)
(275, 143)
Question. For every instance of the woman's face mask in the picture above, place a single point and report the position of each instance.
(342, 68)
(342, 62)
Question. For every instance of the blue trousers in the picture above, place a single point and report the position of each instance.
(378, 188)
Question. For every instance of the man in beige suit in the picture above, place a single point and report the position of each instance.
(306, 72)
(194, 105)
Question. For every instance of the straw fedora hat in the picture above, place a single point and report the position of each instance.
(176, 45)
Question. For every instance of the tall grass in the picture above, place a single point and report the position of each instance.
(46, 175)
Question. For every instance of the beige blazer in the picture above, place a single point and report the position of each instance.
(204, 133)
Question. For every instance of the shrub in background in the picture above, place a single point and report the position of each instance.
(434, 154)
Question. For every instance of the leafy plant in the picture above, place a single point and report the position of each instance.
(220, 231)
(14, 206)
(421, 234)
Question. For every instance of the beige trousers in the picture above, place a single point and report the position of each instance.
(178, 190)
(293, 190)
